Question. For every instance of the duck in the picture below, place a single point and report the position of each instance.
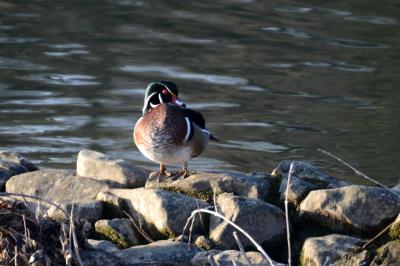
(168, 132)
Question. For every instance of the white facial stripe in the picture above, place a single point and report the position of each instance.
(160, 98)
(153, 105)
(187, 129)
(146, 101)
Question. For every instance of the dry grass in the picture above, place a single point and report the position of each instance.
(30, 239)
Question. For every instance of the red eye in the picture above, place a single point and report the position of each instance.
(165, 92)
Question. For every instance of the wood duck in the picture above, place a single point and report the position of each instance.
(168, 132)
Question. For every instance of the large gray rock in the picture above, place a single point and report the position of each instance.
(91, 210)
(203, 185)
(163, 252)
(298, 190)
(161, 213)
(263, 221)
(59, 186)
(329, 250)
(99, 258)
(230, 258)
(104, 245)
(388, 255)
(115, 172)
(358, 209)
(118, 231)
(19, 159)
(305, 171)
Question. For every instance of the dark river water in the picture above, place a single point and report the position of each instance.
(274, 79)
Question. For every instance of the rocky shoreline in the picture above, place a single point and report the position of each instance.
(126, 219)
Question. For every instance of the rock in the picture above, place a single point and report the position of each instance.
(203, 243)
(163, 252)
(389, 254)
(395, 228)
(99, 258)
(298, 190)
(328, 250)
(18, 159)
(59, 186)
(161, 213)
(202, 185)
(305, 171)
(118, 231)
(227, 257)
(114, 172)
(357, 209)
(203, 258)
(9, 169)
(91, 210)
(263, 221)
(111, 204)
(103, 245)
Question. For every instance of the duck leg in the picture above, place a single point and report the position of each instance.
(182, 174)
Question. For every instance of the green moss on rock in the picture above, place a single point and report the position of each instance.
(203, 195)
(113, 236)
(395, 231)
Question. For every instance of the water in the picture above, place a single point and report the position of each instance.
(275, 79)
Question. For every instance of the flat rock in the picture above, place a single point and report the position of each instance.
(99, 258)
(163, 252)
(118, 231)
(114, 172)
(263, 221)
(395, 228)
(19, 159)
(357, 209)
(328, 250)
(389, 254)
(161, 213)
(58, 186)
(305, 171)
(104, 245)
(230, 258)
(298, 190)
(203, 185)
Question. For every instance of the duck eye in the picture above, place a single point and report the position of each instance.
(165, 92)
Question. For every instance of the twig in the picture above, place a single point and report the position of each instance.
(74, 238)
(287, 215)
(211, 260)
(233, 262)
(201, 219)
(215, 201)
(25, 228)
(239, 243)
(259, 248)
(377, 236)
(139, 229)
(359, 172)
(16, 255)
(190, 232)
(36, 198)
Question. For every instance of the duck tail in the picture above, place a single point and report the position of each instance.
(213, 138)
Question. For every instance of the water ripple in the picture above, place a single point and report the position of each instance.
(63, 79)
(356, 44)
(338, 65)
(17, 40)
(249, 124)
(180, 74)
(67, 53)
(213, 105)
(289, 31)
(373, 20)
(20, 64)
(50, 101)
(263, 146)
(293, 9)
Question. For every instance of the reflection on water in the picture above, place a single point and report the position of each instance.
(273, 81)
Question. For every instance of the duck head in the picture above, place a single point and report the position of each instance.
(161, 92)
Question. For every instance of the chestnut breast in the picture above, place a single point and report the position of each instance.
(162, 126)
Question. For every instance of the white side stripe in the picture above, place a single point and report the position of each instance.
(160, 98)
(146, 101)
(187, 129)
(205, 130)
